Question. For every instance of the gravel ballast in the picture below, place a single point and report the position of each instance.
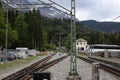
(61, 70)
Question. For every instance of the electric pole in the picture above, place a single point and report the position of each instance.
(73, 75)
(73, 67)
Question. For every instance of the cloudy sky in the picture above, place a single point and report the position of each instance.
(100, 10)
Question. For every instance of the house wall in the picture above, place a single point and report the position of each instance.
(81, 46)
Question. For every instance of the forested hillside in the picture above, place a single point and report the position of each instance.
(102, 26)
(35, 31)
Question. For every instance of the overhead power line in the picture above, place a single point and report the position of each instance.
(55, 7)
(59, 5)
(22, 5)
(116, 17)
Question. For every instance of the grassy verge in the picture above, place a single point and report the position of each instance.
(17, 62)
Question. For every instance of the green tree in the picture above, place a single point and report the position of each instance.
(12, 34)
(37, 34)
(21, 27)
(12, 14)
(2, 27)
(0, 4)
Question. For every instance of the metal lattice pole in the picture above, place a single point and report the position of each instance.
(73, 65)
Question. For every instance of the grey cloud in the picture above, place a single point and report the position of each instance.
(94, 9)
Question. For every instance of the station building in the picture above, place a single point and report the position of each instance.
(81, 45)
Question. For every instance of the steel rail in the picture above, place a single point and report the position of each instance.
(110, 68)
(44, 67)
(106, 61)
(51, 63)
(27, 70)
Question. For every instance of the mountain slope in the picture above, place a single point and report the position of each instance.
(45, 10)
(102, 26)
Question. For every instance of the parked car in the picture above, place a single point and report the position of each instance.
(11, 56)
(22, 54)
(1, 58)
(31, 52)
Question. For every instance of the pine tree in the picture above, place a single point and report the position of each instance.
(21, 27)
(0, 4)
(11, 18)
(37, 35)
(2, 27)
(12, 34)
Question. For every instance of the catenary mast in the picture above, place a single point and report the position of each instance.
(73, 64)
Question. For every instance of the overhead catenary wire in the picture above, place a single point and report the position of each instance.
(54, 7)
(60, 5)
(22, 6)
(116, 18)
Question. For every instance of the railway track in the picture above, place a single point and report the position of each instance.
(107, 62)
(28, 70)
(108, 67)
(44, 67)
(51, 63)
(27, 73)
